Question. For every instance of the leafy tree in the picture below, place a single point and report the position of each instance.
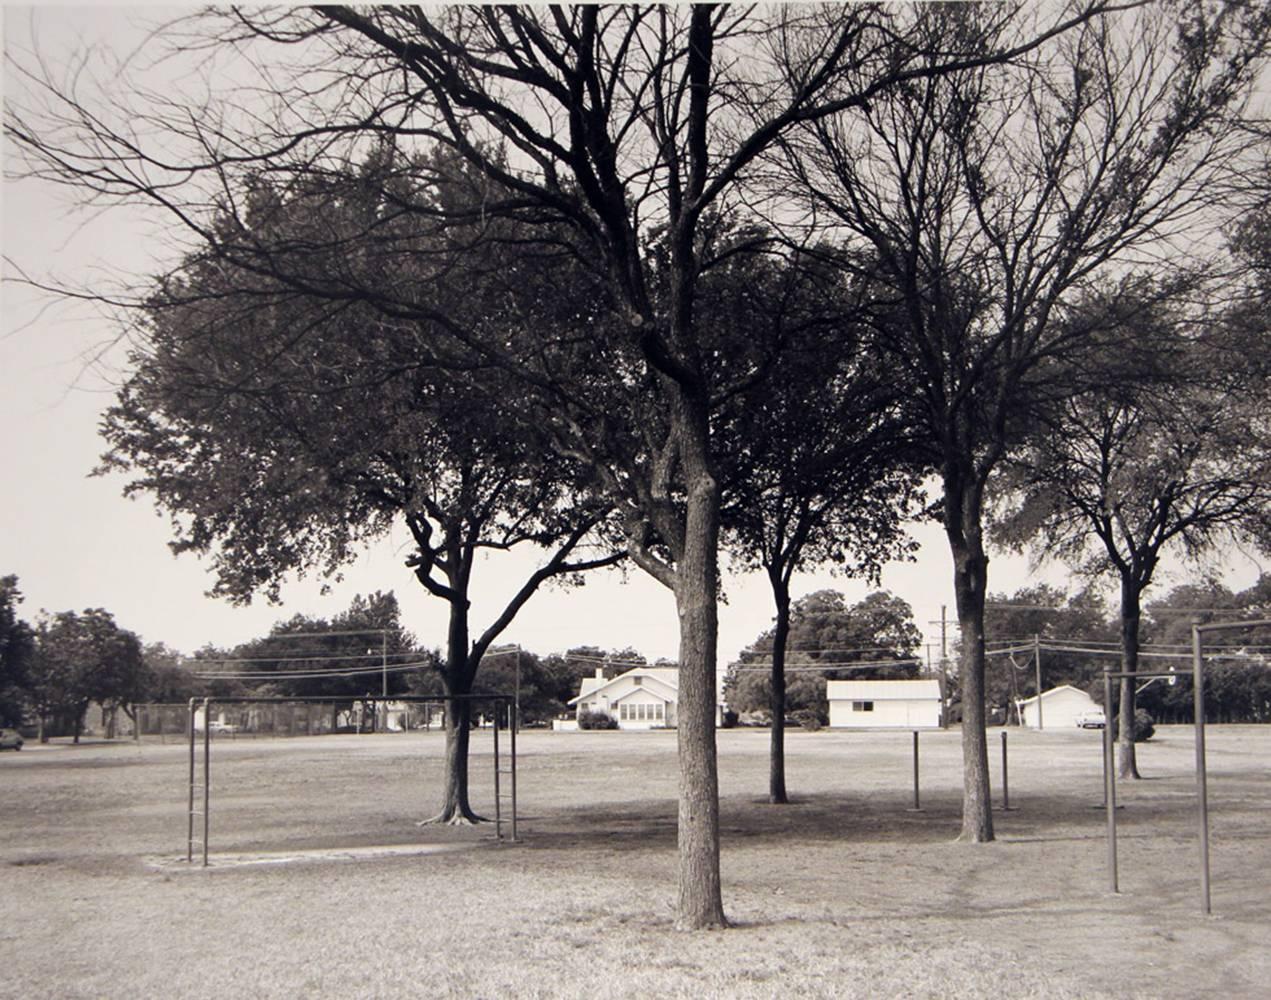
(595, 131)
(357, 652)
(828, 640)
(168, 679)
(1123, 471)
(17, 644)
(1238, 665)
(815, 469)
(989, 197)
(284, 438)
(80, 658)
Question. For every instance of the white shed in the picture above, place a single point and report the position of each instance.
(1060, 707)
(884, 704)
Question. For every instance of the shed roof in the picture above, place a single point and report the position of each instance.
(920, 690)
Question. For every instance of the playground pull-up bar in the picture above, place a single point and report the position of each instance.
(1202, 786)
(511, 702)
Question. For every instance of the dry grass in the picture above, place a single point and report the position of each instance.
(844, 893)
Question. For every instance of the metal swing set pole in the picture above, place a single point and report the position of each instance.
(192, 783)
(1202, 782)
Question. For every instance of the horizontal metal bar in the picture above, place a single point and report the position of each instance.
(435, 699)
(1129, 673)
(1219, 626)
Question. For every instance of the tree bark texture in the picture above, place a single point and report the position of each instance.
(777, 751)
(455, 807)
(970, 585)
(700, 903)
(1127, 766)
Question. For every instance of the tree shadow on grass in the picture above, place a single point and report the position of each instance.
(845, 818)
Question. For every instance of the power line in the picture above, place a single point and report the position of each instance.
(229, 675)
(301, 659)
(829, 665)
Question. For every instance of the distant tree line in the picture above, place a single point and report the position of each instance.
(1237, 663)
(52, 671)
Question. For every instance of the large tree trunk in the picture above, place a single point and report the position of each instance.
(700, 905)
(1128, 766)
(970, 586)
(455, 808)
(777, 749)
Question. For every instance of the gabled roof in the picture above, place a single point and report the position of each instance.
(1054, 691)
(591, 684)
(921, 690)
(661, 675)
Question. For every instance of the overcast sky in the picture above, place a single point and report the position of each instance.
(75, 542)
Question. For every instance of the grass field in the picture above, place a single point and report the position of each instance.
(322, 885)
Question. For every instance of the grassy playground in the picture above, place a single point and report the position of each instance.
(322, 885)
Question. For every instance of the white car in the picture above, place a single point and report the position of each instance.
(10, 739)
(1093, 719)
(222, 727)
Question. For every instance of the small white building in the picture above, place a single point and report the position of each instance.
(641, 698)
(884, 704)
(1060, 707)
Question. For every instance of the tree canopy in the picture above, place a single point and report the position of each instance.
(80, 658)
(17, 646)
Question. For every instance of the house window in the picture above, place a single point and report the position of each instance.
(659, 710)
(622, 711)
(638, 681)
(862, 706)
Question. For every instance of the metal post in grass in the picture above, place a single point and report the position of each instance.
(1202, 788)
(1109, 784)
(189, 842)
(514, 710)
(1006, 788)
(498, 799)
(917, 807)
(207, 774)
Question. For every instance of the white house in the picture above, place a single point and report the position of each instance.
(641, 698)
(1060, 707)
(884, 704)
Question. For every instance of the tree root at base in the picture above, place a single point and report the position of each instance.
(457, 818)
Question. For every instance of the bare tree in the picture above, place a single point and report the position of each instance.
(990, 196)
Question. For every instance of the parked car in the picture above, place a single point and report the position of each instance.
(10, 739)
(1092, 719)
(222, 727)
